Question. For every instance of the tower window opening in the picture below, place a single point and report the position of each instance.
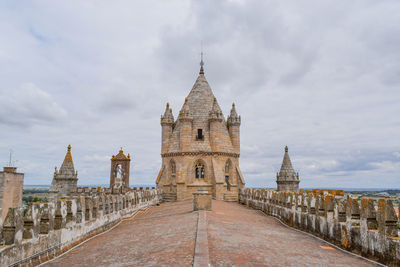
(119, 171)
(199, 171)
(199, 134)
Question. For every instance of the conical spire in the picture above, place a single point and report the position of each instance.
(201, 64)
(68, 156)
(185, 111)
(233, 118)
(67, 167)
(287, 172)
(65, 179)
(215, 112)
(168, 117)
(233, 111)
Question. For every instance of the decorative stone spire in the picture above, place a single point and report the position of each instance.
(287, 179)
(68, 165)
(215, 113)
(168, 117)
(185, 111)
(233, 118)
(201, 64)
(65, 179)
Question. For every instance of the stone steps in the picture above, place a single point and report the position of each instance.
(231, 197)
(169, 197)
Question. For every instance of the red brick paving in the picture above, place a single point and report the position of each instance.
(237, 236)
(162, 236)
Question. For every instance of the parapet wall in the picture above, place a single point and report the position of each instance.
(44, 230)
(339, 220)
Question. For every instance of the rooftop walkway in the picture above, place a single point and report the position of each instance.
(166, 235)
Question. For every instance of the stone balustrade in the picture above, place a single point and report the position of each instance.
(356, 227)
(43, 230)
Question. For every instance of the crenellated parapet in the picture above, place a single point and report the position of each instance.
(44, 230)
(356, 226)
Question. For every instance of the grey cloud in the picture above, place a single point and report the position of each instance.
(28, 105)
(320, 77)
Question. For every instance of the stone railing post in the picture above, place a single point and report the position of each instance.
(387, 218)
(46, 219)
(13, 226)
(79, 206)
(58, 217)
(71, 211)
(88, 209)
(31, 221)
(95, 207)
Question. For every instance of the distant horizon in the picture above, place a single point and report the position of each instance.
(327, 188)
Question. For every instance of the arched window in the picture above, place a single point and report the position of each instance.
(119, 171)
(199, 171)
(173, 167)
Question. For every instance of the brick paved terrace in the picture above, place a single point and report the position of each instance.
(166, 235)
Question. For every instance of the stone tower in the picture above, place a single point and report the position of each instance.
(65, 180)
(287, 179)
(11, 185)
(200, 149)
(120, 165)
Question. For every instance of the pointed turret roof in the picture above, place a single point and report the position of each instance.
(215, 112)
(121, 156)
(67, 167)
(287, 172)
(233, 111)
(199, 104)
(200, 100)
(168, 117)
(233, 118)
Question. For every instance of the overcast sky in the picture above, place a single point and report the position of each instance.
(322, 77)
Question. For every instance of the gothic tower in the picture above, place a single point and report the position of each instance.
(200, 149)
(287, 179)
(120, 165)
(65, 180)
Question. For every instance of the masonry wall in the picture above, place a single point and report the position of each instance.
(43, 231)
(339, 220)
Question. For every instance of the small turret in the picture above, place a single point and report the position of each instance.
(168, 117)
(184, 114)
(215, 113)
(287, 179)
(233, 123)
(215, 119)
(65, 179)
(185, 131)
(167, 122)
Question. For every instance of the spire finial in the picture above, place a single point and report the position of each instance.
(201, 61)
(69, 148)
(286, 149)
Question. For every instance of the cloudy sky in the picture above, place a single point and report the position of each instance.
(322, 77)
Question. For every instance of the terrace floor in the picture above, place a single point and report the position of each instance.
(230, 235)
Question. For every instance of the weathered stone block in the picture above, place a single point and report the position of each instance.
(202, 201)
